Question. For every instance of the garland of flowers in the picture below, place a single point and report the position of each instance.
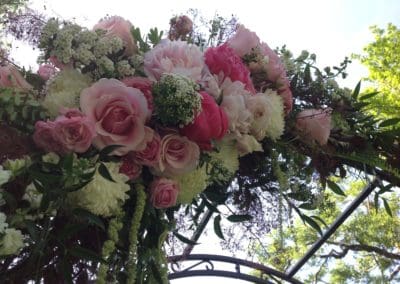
(109, 245)
(133, 233)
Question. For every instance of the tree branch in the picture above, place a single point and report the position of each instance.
(358, 247)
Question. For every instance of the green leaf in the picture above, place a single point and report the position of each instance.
(307, 75)
(368, 96)
(108, 150)
(70, 230)
(387, 207)
(76, 187)
(67, 162)
(335, 188)
(32, 229)
(389, 122)
(84, 253)
(307, 206)
(319, 219)
(103, 171)
(90, 217)
(387, 188)
(66, 270)
(239, 218)
(217, 227)
(312, 223)
(184, 239)
(356, 90)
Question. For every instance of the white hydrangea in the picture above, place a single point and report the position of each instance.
(16, 165)
(4, 175)
(64, 90)
(12, 242)
(102, 196)
(33, 196)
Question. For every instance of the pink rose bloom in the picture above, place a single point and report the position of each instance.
(44, 137)
(150, 156)
(144, 85)
(243, 41)
(129, 167)
(211, 123)
(315, 124)
(10, 77)
(176, 57)
(223, 60)
(163, 193)
(287, 97)
(119, 27)
(178, 155)
(46, 71)
(119, 113)
(275, 67)
(74, 131)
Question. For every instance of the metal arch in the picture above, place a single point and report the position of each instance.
(205, 265)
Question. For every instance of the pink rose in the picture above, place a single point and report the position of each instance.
(287, 97)
(129, 167)
(44, 137)
(10, 77)
(178, 155)
(163, 193)
(119, 113)
(223, 60)
(150, 156)
(211, 123)
(275, 68)
(243, 41)
(46, 71)
(74, 131)
(144, 85)
(315, 124)
(119, 27)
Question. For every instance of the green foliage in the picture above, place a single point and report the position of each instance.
(365, 238)
(382, 58)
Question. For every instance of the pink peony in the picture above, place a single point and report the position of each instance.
(119, 27)
(211, 123)
(74, 131)
(10, 77)
(119, 113)
(176, 57)
(163, 193)
(315, 124)
(129, 167)
(46, 71)
(275, 68)
(178, 155)
(144, 85)
(44, 137)
(223, 60)
(243, 41)
(150, 156)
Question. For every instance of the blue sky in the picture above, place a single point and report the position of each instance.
(332, 29)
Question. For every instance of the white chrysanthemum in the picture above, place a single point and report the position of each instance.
(177, 57)
(33, 196)
(12, 242)
(191, 184)
(4, 175)
(3, 223)
(64, 91)
(247, 144)
(16, 165)
(268, 115)
(227, 156)
(101, 196)
(234, 103)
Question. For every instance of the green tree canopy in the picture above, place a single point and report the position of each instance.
(382, 58)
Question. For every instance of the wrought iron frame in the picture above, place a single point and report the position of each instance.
(205, 263)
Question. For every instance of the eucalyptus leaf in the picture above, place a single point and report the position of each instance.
(217, 227)
(335, 188)
(184, 239)
(239, 218)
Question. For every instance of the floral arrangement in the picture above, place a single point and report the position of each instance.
(116, 132)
